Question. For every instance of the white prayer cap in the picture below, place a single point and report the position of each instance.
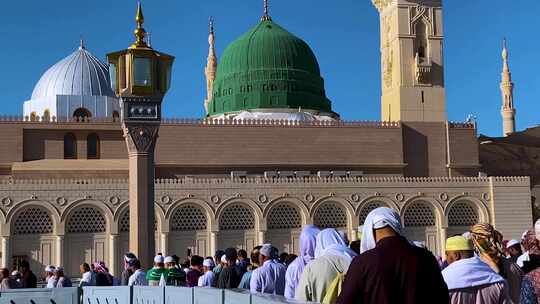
(511, 243)
(223, 259)
(266, 250)
(208, 263)
(159, 259)
(49, 268)
(15, 273)
(467, 235)
(169, 259)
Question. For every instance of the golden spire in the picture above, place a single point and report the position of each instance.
(139, 32)
(266, 15)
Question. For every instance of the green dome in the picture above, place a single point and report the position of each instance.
(268, 68)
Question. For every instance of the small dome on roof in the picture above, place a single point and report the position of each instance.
(80, 74)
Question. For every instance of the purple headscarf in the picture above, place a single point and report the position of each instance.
(307, 253)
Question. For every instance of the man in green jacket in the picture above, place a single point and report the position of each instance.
(155, 275)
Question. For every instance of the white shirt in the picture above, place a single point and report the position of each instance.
(138, 278)
(51, 282)
(206, 279)
(269, 278)
(88, 279)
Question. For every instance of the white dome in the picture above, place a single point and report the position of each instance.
(79, 74)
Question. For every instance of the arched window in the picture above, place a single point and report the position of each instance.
(330, 215)
(86, 220)
(46, 115)
(421, 42)
(237, 217)
(284, 216)
(92, 146)
(419, 214)
(462, 214)
(82, 114)
(70, 146)
(188, 218)
(33, 220)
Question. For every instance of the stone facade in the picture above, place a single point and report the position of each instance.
(67, 222)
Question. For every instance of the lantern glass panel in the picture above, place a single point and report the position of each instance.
(112, 75)
(142, 71)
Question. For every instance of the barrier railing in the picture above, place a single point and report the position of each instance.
(136, 295)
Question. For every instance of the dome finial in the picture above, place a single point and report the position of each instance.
(266, 15)
(139, 32)
(81, 43)
(211, 25)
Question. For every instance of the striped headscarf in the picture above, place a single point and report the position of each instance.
(488, 244)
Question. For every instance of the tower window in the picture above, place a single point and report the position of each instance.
(82, 113)
(92, 146)
(70, 146)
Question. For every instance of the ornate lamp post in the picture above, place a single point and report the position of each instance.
(140, 77)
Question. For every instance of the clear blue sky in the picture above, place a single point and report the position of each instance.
(344, 35)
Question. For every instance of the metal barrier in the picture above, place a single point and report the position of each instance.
(69, 295)
(137, 295)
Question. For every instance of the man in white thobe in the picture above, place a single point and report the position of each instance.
(270, 277)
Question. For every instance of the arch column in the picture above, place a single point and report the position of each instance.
(60, 250)
(261, 236)
(113, 253)
(164, 242)
(442, 240)
(213, 242)
(6, 252)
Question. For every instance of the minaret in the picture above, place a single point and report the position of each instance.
(508, 112)
(211, 65)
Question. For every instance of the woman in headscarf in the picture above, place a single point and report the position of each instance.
(307, 253)
(332, 257)
(390, 269)
(103, 277)
(529, 260)
(488, 246)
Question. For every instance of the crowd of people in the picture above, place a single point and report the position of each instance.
(382, 267)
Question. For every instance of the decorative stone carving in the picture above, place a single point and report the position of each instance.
(355, 197)
(140, 138)
(443, 196)
(400, 197)
(115, 200)
(486, 196)
(387, 56)
(309, 198)
(381, 4)
(263, 198)
(215, 199)
(61, 201)
(7, 201)
(166, 199)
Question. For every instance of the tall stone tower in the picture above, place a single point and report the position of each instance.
(412, 60)
(211, 65)
(508, 112)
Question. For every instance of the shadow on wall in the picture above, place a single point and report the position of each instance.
(415, 152)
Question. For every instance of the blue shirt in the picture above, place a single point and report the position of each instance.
(269, 278)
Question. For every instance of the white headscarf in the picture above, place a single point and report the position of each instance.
(377, 219)
(330, 242)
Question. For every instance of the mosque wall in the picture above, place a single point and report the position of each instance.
(82, 220)
(197, 147)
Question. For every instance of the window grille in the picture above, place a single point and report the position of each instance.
(284, 216)
(86, 220)
(236, 217)
(462, 214)
(330, 215)
(419, 214)
(188, 218)
(33, 220)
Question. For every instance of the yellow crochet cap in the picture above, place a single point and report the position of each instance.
(458, 243)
